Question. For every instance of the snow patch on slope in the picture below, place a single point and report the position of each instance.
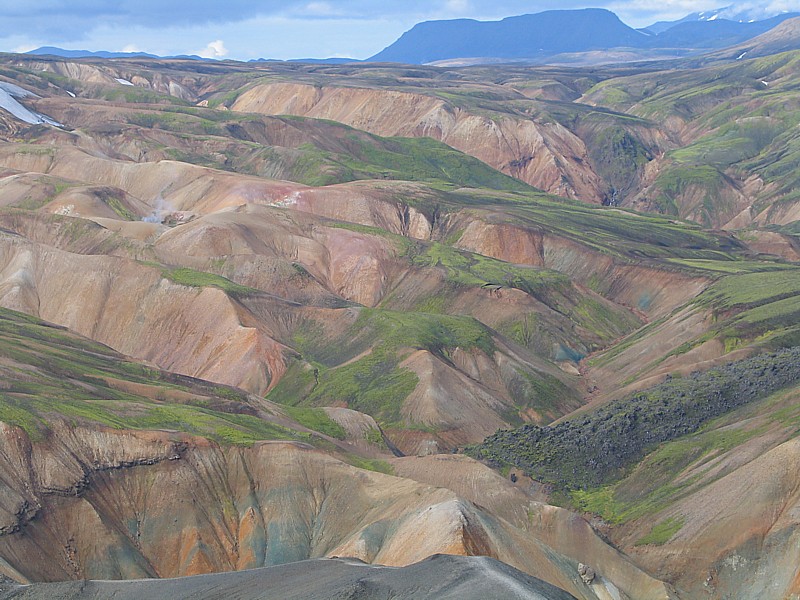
(8, 102)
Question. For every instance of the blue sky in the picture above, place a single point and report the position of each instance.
(244, 29)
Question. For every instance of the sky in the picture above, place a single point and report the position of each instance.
(283, 29)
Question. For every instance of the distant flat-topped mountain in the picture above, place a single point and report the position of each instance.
(584, 36)
(526, 36)
(557, 32)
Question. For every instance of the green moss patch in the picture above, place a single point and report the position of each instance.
(662, 532)
(316, 419)
(192, 278)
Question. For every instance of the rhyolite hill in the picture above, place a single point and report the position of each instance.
(259, 314)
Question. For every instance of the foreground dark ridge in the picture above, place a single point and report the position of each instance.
(439, 577)
(597, 448)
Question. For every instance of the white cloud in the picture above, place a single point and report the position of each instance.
(319, 9)
(458, 6)
(22, 49)
(215, 49)
(760, 10)
(638, 13)
(131, 48)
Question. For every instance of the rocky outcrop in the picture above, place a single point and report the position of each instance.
(558, 528)
(587, 573)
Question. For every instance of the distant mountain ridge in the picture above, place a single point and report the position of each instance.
(716, 33)
(783, 38)
(64, 53)
(549, 33)
(336, 60)
(732, 12)
(55, 51)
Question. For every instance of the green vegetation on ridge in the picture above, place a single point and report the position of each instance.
(467, 268)
(398, 158)
(333, 153)
(200, 279)
(316, 419)
(661, 532)
(365, 375)
(756, 306)
(362, 367)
